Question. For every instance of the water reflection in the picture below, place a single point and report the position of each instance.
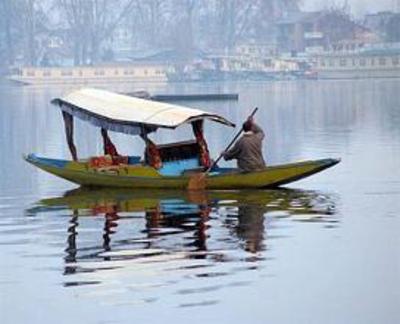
(126, 260)
(194, 234)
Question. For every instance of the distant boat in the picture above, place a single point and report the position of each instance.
(371, 62)
(100, 74)
(171, 166)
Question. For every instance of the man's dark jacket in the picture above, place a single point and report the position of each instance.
(248, 150)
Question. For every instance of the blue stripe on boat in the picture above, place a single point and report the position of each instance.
(49, 162)
(175, 168)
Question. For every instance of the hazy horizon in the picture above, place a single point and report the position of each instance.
(357, 7)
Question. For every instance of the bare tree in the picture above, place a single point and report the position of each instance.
(90, 23)
(237, 20)
(20, 22)
(222, 23)
(186, 25)
(184, 28)
(6, 14)
(268, 12)
(337, 24)
(30, 32)
(149, 21)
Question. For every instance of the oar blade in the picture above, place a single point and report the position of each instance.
(197, 181)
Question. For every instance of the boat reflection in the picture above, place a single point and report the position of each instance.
(159, 226)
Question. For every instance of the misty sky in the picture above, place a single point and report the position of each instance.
(358, 7)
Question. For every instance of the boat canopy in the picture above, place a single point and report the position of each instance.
(129, 115)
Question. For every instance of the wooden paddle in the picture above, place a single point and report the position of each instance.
(198, 181)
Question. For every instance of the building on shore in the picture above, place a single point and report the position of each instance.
(299, 32)
(247, 61)
(315, 32)
(378, 21)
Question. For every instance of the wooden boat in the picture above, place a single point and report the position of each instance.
(141, 176)
(178, 161)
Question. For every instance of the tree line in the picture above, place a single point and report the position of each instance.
(86, 25)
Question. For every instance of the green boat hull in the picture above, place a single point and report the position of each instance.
(145, 177)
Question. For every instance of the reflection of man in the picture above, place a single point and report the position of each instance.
(250, 227)
(248, 149)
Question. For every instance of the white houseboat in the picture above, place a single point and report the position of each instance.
(100, 74)
(350, 62)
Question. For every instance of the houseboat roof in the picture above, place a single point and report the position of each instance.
(364, 52)
(127, 114)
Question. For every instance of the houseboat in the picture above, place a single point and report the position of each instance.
(377, 61)
(239, 67)
(100, 74)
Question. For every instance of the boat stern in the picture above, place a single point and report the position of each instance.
(327, 163)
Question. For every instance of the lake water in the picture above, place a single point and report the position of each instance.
(323, 250)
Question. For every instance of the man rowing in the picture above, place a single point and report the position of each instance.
(248, 149)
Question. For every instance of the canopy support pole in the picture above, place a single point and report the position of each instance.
(109, 147)
(69, 132)
(152, 153)
(197, 126)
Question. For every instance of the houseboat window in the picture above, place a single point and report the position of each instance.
(129, 72)
(382, 61)
(99, 72)
(46, 73)
(116, 72)
(343, 62)
(267, 62)
(396, 60)
(80, 73)
(363, 62)
(354, 62)
(145, 72)
(322, 62)
(372, 61)
(30, 73)
(331, 62)
(66, 73)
